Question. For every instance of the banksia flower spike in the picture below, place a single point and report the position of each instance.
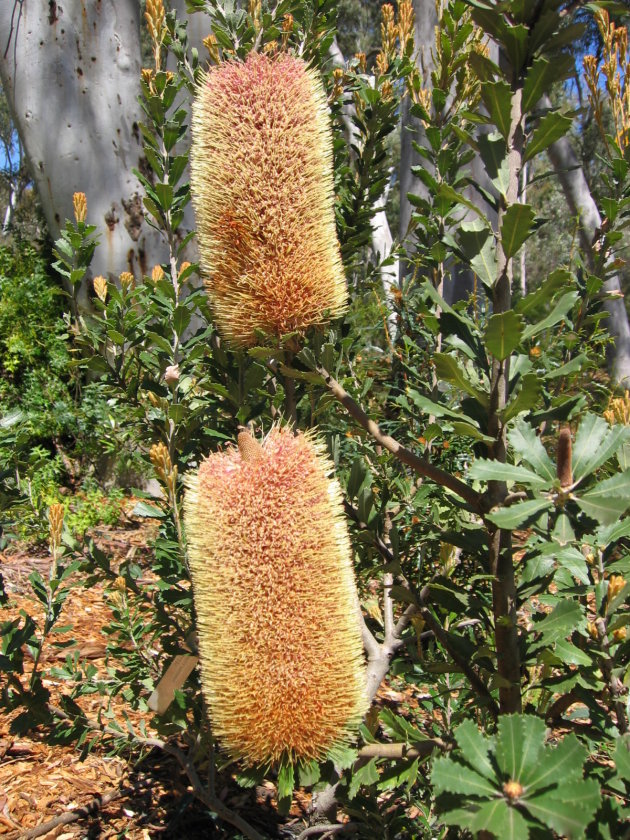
(278, 624)
(79, 205)
(262, 187)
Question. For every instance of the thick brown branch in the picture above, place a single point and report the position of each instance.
(70, 816)
(419, 750)
(328, 830)
(419, 465)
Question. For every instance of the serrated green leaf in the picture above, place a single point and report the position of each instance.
(558, 313)
(399, 728)
(516, 227)
(487, 470)
(608, 500)
(144, 509)
(402, 774)
(444, 191)
(541, 75)
(565, 617)
(478, 246)
(493, 152)
(286, 781)
(164, 193)
(427, 406)
(565, 761)
(569, 654)
(309, 774)
(524, 440)
(503, 820)
(551, 128)
(558, 279)
(567, 809)
(609, 534)
(181, 319)
(448, 368)
(525, 399)
(117, 337)
(595, 443)
(515, 515)
(520, 739)
(342, 755)
(475, 748)
(503, 333)
(570, 558)
(497, 97)
(366, 775)
(452, 777)
(621, 757)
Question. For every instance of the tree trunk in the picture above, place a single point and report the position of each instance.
(459, 282)
(424, 35)
(71, 76)
(583, 206)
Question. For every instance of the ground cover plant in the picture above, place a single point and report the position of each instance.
(482, 455)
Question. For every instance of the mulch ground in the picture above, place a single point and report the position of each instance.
(40, 782)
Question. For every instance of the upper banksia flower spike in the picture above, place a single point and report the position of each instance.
(279, 640)
(262, 187)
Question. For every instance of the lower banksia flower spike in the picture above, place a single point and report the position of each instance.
(282, 664)
(262, 188)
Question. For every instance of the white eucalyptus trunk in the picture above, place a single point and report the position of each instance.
(583, 206)
(71, 73)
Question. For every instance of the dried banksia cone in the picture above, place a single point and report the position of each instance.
(278, 624)
(262, 187)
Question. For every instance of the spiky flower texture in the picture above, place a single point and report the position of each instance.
(279, 639)
(262, 188)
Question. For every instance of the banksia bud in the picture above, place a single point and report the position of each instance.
(287, 29)
(406, 19)
(155, 18)
(615, 585)
(382, 63)
(79, 205)
(161, 461)
(278, 621)
(212, 45)
(337, 75)
(262, 186)
(563, 458)
(157, 273)
(55, 526)
(361, 62)
(618, 410)
(389, 30)
(126, 280)
(100, 287)
(148, 75)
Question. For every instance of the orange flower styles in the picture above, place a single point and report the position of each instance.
(282, 662)
(262, 188)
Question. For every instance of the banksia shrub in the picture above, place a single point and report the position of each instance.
(262, 188)
(277, 613)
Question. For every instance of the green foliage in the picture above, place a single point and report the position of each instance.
(515, 785)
